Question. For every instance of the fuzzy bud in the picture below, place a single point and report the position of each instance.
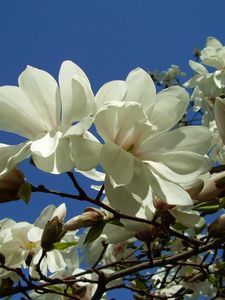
(217, 228)
(89, 218)
(213, 189)
(10, 184)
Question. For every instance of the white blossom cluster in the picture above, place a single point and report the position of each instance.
(128, 130)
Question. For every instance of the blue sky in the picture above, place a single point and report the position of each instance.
(107, 38)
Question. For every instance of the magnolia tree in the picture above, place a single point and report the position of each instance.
(157, 176)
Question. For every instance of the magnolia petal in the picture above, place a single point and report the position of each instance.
(115, 122)
(79, 128)
(45, 216)
(110, 91)
(12, 155)
(119, 164)
(174, 194)
(140, 88)
(213, 42)
(139, 184)
(85, 151)
(170, 106)
(17, 114)
(219, 108)
(46, 145)
(43, 92)
(120, 199)
(180, 167)
(116, 234)
(188, 218)
(34, 234)
(76, 94)
(219, 79)
(60, 212)
(93, 174)
(197, 67)
(195, 139)
(55, 261)
(58, 162)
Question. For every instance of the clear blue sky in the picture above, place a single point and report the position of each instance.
(107, 38)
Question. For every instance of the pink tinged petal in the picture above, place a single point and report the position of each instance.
(111, 91)
(119, 164)
(34, 234)
(197, 67)
(219, 108)
(55, 261)
(76, 94)
(12, 155)
(170, 106)
(43, 92)
(195, 139)
(173, 193)
(85, 151)
(140, 88)
(120, 199)
(17, 113)
(58, 162)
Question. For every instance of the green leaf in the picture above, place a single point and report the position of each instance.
(179, 226)
(211, 278)
(222, 203)
(64, 245)
(116, 222)
(94, 232)
(25, 191)
(207, 207)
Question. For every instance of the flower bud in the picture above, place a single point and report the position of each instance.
(10, 184)
(89, 218)
(217, 228)
(213, 189)
(53, 231)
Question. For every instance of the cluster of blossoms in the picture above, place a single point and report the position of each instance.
(153, 172)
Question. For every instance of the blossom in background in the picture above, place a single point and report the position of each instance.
(45, 115)
(20, 243)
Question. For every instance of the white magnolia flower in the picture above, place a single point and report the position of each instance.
(139, 156)
(45, 115)
(140, 88)
(18, 241)
(213, 55)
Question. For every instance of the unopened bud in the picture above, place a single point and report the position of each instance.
(217, 228)
(89, 218)
(10, 184)
(52, 233)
